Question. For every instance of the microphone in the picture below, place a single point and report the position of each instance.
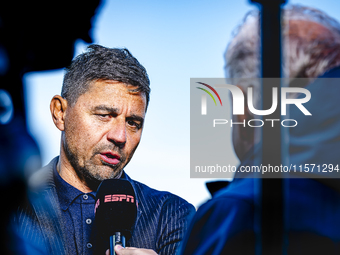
(115, 211)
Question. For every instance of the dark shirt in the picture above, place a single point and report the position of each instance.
(77, 209)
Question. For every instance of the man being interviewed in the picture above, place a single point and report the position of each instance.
(100, 114)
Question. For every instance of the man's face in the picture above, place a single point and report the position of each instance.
(103, 129)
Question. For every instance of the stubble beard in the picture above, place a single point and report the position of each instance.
(91, 173)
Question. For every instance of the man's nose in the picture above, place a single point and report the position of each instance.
(117, 133)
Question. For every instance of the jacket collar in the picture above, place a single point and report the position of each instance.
(43, 178)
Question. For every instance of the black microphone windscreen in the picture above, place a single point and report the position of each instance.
(116, 208)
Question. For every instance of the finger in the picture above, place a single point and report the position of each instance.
(119, 249)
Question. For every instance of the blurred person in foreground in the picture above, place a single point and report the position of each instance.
(226, 224)
(28, 32)
(100, 114)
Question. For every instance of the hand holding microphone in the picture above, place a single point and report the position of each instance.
(131, 251)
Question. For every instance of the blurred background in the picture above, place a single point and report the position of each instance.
(175, 41)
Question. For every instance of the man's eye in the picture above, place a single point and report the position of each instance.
(104, 116)
(134, 124)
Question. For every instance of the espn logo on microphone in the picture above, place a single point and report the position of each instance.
(115, 198)
(120, 198)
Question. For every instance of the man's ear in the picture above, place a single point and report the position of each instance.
(58, 108)
(246, 132)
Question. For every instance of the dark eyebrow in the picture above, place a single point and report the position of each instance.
(105, 108)
(115, 110)
(136, 117)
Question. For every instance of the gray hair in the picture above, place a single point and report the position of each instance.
(302, 56)
(101, 63)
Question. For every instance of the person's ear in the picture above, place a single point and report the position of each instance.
(58, 108)
(247, 133)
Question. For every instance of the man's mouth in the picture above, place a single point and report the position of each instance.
(110, 157)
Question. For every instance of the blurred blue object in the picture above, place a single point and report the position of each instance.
(229, 223)
(34, 37)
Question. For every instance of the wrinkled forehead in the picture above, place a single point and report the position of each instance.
(293, 26)
(309, 30)
(112, 92)
(105, 86)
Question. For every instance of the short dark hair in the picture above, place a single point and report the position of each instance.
(101, 63)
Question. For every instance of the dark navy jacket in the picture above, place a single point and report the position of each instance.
(162, 218)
